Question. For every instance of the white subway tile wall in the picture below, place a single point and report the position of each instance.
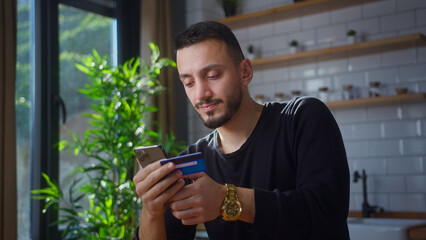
(403, 5)
(407, 202)
(413, 73)
(405, 165)
(380, 8)
(413, 185)
(399, 57)
(421, 17)
(330, 34)
(349, 14)
(371, 61)
(399, 21)
(316, 20)
(386, 184)
(286, 26)
(389, 142)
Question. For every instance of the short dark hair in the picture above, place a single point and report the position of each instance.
(202, 31)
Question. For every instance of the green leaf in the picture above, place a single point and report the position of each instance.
(151, 109)
(92, 115)
(96, 55)
(62, 144)
(49, 182)
(155, 52)
(152, 133)
(76, 151)
(76, 170)
(127, 109)
(83, 69)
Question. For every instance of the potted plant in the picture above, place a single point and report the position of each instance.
(229, 6)
(104, 205)
(351, 34)
(294, 46)
(250, 52)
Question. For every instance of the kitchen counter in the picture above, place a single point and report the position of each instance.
(418, 233)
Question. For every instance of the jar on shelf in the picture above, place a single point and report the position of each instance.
(374, 90)
(323, 94)
(347, 92)
(260, 98)
(401, 90)
(296, 93)
(279, 97)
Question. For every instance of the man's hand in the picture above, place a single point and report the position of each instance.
(198, 202)
(155, 187)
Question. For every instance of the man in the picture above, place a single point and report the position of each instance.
(284, 164)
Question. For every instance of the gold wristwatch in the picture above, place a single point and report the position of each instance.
(231, 206)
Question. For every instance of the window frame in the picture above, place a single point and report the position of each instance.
(45, 80)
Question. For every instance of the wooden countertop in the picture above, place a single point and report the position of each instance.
(413, 233)
(417, 233)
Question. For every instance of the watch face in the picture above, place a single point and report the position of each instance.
(233, 209)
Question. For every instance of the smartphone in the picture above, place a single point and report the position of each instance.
(148, 154)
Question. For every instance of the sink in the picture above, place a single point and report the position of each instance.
(381, 228)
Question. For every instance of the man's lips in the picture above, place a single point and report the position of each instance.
(207, 105)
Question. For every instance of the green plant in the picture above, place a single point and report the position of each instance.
(294, 43)
(118, 112)
(351, 33)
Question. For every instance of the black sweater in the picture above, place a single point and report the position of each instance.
(296, 162)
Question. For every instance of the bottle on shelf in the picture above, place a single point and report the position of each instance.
(323, 94)
(279, 97)
(401, 90)
(347, 92)
(296, 93)
(374, 90)
(260, 98)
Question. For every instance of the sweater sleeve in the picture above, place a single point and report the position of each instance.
(318, 205)
(175, 230)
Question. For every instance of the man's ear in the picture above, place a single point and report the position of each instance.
(246, 72)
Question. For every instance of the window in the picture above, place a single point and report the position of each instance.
(80, 32)
(51, 37)
(24, 69)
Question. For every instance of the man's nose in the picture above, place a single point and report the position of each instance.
(203, 91)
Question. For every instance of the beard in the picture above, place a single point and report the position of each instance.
(233, 103)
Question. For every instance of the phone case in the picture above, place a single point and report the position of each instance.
(148, 154)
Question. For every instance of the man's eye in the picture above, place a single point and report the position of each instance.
(189, 84)
(213, 76)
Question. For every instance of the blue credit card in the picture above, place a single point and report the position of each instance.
(188, 164)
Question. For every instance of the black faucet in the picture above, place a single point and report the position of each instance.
(366, 208)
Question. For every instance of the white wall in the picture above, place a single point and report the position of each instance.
(388, 141)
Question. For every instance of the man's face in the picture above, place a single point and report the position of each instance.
(211, 80)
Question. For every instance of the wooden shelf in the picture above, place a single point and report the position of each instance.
(417, 233)
(362, 48)
(390, 214)
(410, 97)
(298, 9)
